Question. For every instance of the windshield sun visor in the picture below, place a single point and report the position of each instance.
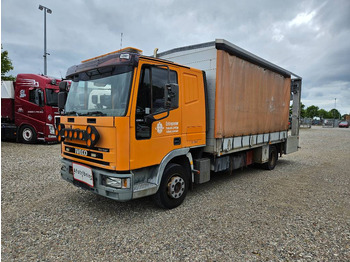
(100, 64)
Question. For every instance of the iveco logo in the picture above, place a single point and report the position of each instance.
(81, 152)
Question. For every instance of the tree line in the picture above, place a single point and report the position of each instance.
(314, 111)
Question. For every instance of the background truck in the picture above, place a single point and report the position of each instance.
(136, 126)
(28, 108)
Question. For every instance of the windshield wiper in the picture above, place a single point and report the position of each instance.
(97, 113)
(72, 113)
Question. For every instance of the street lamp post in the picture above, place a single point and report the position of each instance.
(49, 11)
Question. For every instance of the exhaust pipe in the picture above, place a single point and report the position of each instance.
(155, 52)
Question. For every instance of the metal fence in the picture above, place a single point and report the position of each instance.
(305, 122)
(331, 122)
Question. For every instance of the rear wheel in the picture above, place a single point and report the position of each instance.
(273, 157)
(27, 134)
(173, 187)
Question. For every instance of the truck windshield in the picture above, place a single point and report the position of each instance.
(51, 97)
(102, 92)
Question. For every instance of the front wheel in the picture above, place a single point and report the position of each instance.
(27, 134)
(173, 187)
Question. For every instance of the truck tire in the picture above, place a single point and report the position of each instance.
(27, 134)
(273, 157)
(173, 187)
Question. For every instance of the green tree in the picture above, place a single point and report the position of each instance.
(334, 113)
(312, 111)
(323, 113)
(6, 65)
(302, 110)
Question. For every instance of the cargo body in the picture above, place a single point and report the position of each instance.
(28, 108)
(248, 98)
(136, 126)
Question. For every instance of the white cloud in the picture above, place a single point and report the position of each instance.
(302, 19)
(277, 34)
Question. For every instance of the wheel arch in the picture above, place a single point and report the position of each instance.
(184, 161)
(180, 156)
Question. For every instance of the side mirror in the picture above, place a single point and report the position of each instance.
(39, 97)
(62, 98)
(62, 95)
(63, 86)
(171, 94)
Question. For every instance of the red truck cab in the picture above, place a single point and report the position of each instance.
(31, 116)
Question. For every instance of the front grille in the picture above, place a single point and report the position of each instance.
(101, 149)
(87, 159)
(88, 153)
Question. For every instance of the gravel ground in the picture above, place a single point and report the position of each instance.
(298, 212)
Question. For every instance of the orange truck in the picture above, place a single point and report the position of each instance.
(135, 125)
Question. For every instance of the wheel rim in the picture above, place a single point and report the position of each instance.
(27, 134)
(176, 187)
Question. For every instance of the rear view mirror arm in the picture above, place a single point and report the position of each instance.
(149, 119)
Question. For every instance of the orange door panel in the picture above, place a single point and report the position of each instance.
(150, 143)
(193, 108)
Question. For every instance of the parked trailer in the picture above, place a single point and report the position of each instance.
(28, 108)
(163, 123)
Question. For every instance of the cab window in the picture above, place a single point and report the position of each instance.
(150, 97)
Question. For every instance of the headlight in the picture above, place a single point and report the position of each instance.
(52, 129)
(118, 182)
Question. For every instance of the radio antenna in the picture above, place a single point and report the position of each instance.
(121, 40)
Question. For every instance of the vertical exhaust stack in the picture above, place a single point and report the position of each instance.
(155, 52)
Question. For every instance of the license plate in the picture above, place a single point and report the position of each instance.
(83, 174)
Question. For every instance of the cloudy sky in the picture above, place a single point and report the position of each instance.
(309, 38)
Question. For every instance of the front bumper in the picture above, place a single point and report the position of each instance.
(99, 188)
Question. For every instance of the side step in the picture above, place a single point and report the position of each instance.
(144, 189)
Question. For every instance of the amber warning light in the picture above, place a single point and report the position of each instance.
(90, 135)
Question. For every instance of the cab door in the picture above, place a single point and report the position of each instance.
(155, 128)
(29, 106)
